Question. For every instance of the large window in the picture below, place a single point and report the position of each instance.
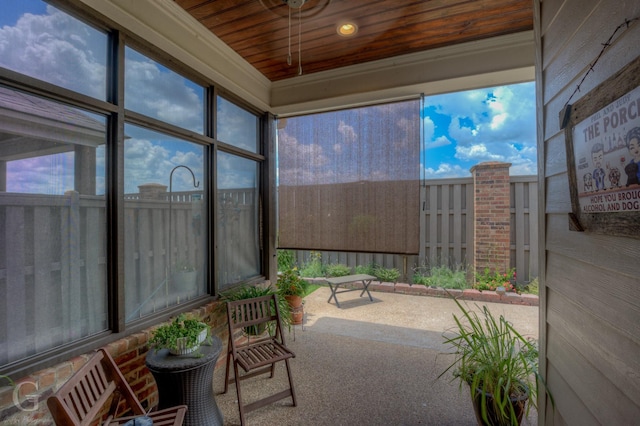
(153, 90)
(165, 233)
(107, 211)
(238, 233)
(237, 126)
(52, 219)
(238, 209)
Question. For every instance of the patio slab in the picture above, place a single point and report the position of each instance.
(370, 363)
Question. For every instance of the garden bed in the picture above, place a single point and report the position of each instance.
(468, 294)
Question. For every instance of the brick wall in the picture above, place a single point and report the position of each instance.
(492, 216)
(25, 403)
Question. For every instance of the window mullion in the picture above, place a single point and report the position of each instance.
(115, 184)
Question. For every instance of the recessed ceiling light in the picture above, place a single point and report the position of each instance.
(347, 29)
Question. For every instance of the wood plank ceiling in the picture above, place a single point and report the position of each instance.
(259, 30)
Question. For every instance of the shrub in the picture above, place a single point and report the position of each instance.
(389, 275)
(366, 269)
(337, 270)
(490, 280)
(443, 276)
(313, 268)
(286, 260)
(532, 287)
(420, 278)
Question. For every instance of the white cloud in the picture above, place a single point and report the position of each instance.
(293, 161)
(428, 128)
(145, 162)
(438, 142)
(56, 48)
(446, 170)
(347, 132)
(235, 172)
(50, 174)
(493, 124)
(160, 93)
(477, 153)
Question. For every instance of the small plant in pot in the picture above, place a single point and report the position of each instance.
(293, 288)
(498, 363)
(181, 336)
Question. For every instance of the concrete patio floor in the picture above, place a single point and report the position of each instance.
(369, 363)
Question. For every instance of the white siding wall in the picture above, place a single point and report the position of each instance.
(590, 301)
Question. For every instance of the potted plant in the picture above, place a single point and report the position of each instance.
(181, 336)
(185, 278)
(249, 292)
(498, 363)
(293, 288)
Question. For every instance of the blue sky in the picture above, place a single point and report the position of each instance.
(465, 128)
(13, 9)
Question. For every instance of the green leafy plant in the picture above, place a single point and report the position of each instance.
(366, 269)
(8, 380)
(246, 292)
(490, 279)
(532, 287)
(442, 276)
(498, 364)
(313, 268)
(251, 291)
(286, 260)
(389, 275)
(337, 270)
(291, 284)
(169, 335)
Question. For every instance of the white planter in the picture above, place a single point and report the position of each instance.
(182, 344)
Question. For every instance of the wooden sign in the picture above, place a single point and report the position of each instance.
(602, 131)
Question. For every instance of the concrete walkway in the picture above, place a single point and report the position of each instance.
(370, 363)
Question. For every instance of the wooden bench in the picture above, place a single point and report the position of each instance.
(99, 387)
(335, 283)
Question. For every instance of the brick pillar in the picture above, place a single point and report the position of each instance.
(152, 191)
(491, 209)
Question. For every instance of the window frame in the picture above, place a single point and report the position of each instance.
(116, 117)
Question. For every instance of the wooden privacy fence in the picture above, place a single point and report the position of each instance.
(447, 230)
(53, 259)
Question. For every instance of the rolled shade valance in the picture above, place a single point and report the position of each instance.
(349, 180)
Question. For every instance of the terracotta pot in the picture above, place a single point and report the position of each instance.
(296, 308)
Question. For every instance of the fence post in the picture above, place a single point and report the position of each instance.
(492, 216)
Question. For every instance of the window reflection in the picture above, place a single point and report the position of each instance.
(53, 270)
(165, 230)
(154, 90)
(236, 126)
(238, 210)
(47, 44)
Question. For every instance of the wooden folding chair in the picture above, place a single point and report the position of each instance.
(256, 355)
(84, 398)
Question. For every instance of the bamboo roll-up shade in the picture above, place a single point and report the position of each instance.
(349, 180)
